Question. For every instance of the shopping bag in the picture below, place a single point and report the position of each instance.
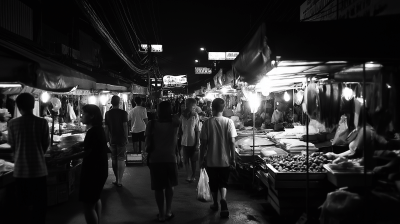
(341, 133)
(203, 189)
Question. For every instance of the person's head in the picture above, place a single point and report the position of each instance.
(182, 107)
(218, 105)
(138, 101)
(25, 103)
(197, 101)
(115, 101)
(208, 103)
(92, 115)
(190, 104)
(133, 103)
(164, 111)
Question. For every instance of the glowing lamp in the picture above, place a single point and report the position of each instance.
(45, 97)
(196, 61)
(286, 96)
(92, 100)
(224, 90)
(254, 101)
(124, 97)
(202, 48)
(347, 93)
(103, 99)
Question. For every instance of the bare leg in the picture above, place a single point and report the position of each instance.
(121, 169)
(215, 197)
(90, 213)
(97, 208)
(193, 163)
(160, 203)
(115, 169)
(223, 191)
(136, 147)
(169, 193)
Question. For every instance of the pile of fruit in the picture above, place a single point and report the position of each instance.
(297, 163)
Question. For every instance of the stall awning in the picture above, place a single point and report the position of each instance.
(109, 87)
(318, 47)
(18, 64)
(35, 91)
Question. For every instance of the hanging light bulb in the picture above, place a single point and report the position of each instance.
(45, 97)
(92, 100)
(124, 97)
(286, 96)
(347, 93)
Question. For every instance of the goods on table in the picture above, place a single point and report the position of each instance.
(297, 163)
(296, 146)
(64, 152)
(248, 142)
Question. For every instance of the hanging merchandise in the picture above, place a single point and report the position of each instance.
(298, 97)
(335, 108)
(71, 112)
(323, 104)
(56, 103)
(312, 100)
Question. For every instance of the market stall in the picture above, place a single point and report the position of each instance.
(337, 87)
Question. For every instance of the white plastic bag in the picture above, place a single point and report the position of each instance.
(203, 189)
(341, 133)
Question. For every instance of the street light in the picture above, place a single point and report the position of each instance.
(196, 61)
(202, 49)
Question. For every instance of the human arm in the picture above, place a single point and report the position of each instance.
(46, 137)
(125, 125)
(391, 166)
(107, 132)
(231, 141)
(145, 118)
(203, 146)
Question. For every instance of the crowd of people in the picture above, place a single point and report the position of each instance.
(211, 143)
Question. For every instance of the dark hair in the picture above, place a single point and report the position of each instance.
(138, 100)
(218, 105)
(164, 111)
(115, 101)
(190, 101)
(25, 102)
(133, 103)
(93, 110)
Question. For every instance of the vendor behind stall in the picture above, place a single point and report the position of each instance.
(373, 141)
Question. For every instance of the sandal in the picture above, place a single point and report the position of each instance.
(169, 217)
(116, 184)
(160, 220)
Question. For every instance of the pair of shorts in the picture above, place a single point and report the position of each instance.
(163, 175)
(118, 152)
(218, 177)
(190, 153)
(138, 137)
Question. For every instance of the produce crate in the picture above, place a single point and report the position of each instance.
(294, 175)
(348, 179)
(133, 158)
(283, 211)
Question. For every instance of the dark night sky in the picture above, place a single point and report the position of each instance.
(182, 27)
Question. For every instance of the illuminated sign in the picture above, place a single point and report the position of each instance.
(154, 48)
(170, 81)
(202, 70)
(216, 55)
(231, 55)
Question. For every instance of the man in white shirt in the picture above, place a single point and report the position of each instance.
(217, 151)
(138, 120)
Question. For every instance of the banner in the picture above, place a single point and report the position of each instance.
(170, 81)
(216, 55)
(231, 55)
(202, 70)
(140, 90)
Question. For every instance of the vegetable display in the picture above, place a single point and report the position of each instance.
(297, 163)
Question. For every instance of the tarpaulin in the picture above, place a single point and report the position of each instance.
(254, 60)
(19, 64)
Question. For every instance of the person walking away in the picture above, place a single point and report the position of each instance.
(95, 164)
(29, 138)
(189, 133)
(218, 153)
(161, 141)
(116, 129)
(138, 118)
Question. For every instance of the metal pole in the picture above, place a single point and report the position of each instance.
(52, 131)
(307, 161)
(366, 163)
(254, 143)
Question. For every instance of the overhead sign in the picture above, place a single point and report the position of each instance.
(154, 48)
(170, 81)
(202, 70)
(216, 55)
(231, 55)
